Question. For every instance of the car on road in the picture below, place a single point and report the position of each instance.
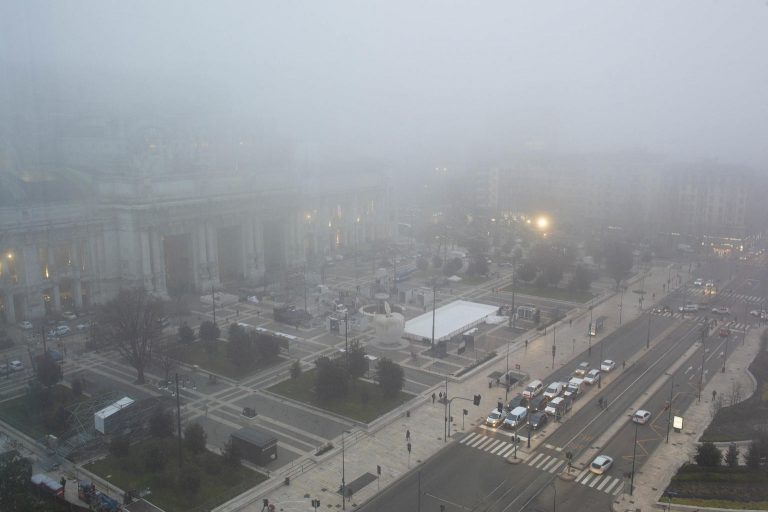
(698, 282)
(608, 365)
(517, 401)
(601, 464)
(533, 388)
(83, 326)
(63, 330)
(689, 308)
(558, 406)
(592, 377)
(662, 310)
(721, 310)
(494, 418)
(69, 315)
(538, 420)
(762, 315)
(516, 418)
(642, 416)
(554, 389)
(16, 365)
(724, 332)
(537, 403)
(581, 370)
(25, 324)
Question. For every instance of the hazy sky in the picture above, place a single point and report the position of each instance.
(430, 79)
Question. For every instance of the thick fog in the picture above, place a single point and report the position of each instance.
(427, 81)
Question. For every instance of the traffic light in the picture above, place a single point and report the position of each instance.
(409, 447)
(476, 400)
(378, 469)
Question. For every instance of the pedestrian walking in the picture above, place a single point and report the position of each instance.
(526, 344)
(623, 364)
(408, 435)
(570, 322)
(433, 398)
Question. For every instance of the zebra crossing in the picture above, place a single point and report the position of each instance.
(543, 462)
(743, 298)
(603, 483)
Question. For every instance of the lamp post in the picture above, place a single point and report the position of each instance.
(725, 352)
(621, 304)
(648, 337)
(704, 334)
(554, 498)
(434, 302)
(343, 473)
(632, 474)
(669, 414)
(346, 338)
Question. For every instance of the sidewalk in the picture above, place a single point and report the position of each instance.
(663, 463)
(387, 446)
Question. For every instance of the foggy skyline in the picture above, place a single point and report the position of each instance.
(428, 81)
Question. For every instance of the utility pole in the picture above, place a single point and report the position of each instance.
(648, 337)
(434, 302)
(554, 346)
(621, 304)
(343, 476)
(632, 475)
(213, 300)
(445, 407)
(346, 338)
(704, 333)
(178, 416)
(669, 414)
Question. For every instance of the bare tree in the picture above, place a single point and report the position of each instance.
(130, 321)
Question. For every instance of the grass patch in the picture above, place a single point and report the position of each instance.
(218, 481)
(302, 390)
(33, 413)
(748, 419)
(551, 293)
(736, 505)
(216, 362)
(738, 488)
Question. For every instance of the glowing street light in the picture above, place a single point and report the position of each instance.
(542, 223)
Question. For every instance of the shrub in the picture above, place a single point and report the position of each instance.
(732, 456)
(209, 331)
(77, 387)
(189, 480)
(296, 369)
(186, 334)
(390, 376)
(195, 438)
(708, 456)
(161, 423)
(753, 455)
(154, 459)
(231, 454)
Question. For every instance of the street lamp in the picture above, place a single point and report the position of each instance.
(634, 452)
(343, 473)
(669, 414)
(554, 498)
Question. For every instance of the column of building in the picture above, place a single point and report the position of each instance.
(248, 249)
(77, 289)
(53, 276)
(158, 262)
(146, 260)
(212, 245)
(32, 304)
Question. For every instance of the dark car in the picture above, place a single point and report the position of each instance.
(517, 401)
(538, 403)
(537, 420)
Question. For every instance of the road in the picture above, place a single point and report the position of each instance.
(473, 474)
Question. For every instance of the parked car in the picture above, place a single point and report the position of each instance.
(538, 420)
(689, 308)
(16, 365)
(642, 416)
(25, 324)
(662, 310)
(592, 377)
(494, 418)
(533, 388)
(83, 326)
(608, 365)
(601, 464)
(554, 389)
(721, 310)
(581, 370)
(516, 418)
(69, 315)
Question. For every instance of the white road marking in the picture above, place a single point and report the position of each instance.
(543, 461)
(581, 475)
(608, 489)
(468, 438)
(550, 464)
(535, 459)
(555, 467)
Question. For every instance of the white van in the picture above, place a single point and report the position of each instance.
(533, 388)
(516, 418)
(554, 389)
